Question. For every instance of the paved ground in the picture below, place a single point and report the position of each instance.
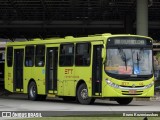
(20, 103)
(57, 107)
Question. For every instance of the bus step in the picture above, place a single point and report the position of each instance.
(51, 92)
(19, 90)
(51, 95)
(97, 94)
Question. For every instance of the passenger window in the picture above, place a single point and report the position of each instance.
(66, 55)
(9, 56)
(2, 56)
(82, 54)
(29, 56)
(40, 56)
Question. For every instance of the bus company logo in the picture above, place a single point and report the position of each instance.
(125, 83)
(68, 71)
(6, 114)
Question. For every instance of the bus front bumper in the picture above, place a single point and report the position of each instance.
(116, 91)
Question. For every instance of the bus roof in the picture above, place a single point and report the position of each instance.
(68, 39)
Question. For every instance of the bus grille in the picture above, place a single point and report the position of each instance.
(132, 86)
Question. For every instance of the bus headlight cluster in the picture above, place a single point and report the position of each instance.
(150, 85)
(112, 84)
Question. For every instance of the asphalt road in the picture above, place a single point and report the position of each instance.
(21, 103)
(18, 104)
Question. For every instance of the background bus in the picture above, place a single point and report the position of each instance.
(82, 69)
(2, 57)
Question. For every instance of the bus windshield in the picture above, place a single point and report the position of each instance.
(133, 61)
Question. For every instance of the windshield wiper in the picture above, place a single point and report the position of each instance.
(138, 59)
(125, 60)
(123, 56)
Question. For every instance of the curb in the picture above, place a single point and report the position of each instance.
(155, 98)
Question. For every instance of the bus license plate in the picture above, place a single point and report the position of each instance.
(132, 91)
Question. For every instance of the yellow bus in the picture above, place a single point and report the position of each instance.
(118, 67)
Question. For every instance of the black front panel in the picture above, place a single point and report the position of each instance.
(18, 69)
(97, 70)
(51, 68)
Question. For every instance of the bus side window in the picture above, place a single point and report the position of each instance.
(66, 55)
(40, 56)
(82, 54)
(9, 56)
(29, 56)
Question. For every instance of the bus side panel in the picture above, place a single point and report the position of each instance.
(84, 73)
(28, 75)
(9, 78)
(69, 88)
(39, 77)
(60, 87)
(66, 85)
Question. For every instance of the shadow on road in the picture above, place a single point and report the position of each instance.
(98, 102)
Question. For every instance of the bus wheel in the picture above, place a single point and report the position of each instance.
(32, 91)
(124, 101)
(82, 95)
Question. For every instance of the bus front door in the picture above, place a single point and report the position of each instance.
(97, 71)
(18, 70)
(51, 69)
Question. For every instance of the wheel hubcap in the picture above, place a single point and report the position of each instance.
(33, 91)
(84, 94)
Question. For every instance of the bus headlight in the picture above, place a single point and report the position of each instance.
(112, 84)
(149, 85)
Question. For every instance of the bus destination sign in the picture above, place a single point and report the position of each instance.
(129, 42)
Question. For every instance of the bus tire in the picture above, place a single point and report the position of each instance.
(32, 91)
(124, 101)
(82, 95)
